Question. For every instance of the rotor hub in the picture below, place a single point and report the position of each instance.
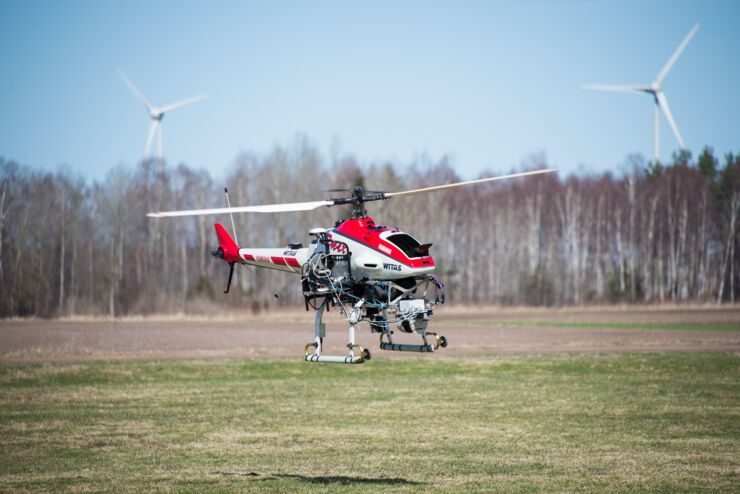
(358, 199)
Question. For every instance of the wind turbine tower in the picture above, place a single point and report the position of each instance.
(656, 91)
(156, 114)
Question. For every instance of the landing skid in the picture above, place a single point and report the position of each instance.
(357, 354)
(439, 341)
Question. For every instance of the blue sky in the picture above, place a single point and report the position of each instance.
(487, 83)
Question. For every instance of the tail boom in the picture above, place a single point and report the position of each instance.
(282, 259)
(285, 259)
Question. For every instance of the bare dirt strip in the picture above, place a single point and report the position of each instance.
(470, 331)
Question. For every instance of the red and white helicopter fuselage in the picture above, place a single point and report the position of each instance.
(377, 252)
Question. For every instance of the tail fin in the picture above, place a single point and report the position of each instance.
(227, 248)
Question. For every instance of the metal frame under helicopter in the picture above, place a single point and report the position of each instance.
(328, 277)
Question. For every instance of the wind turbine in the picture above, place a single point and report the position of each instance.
(656, 91)
(156, 113)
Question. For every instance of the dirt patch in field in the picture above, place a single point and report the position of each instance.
(470, 331)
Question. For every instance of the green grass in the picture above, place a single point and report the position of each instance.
(621, 422)
(678, 326)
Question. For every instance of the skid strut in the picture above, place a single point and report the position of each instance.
(355, 355)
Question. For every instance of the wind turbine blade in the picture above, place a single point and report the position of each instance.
(270, 208)
(676, 54)
(619, 88)
(469, 182)
(187, 101)
(134, 89)
(663, 103)
(152, 129)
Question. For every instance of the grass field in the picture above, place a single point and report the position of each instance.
(617, 422)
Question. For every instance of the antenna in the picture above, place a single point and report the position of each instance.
(228, 203)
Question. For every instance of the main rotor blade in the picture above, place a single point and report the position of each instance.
(134, 89)
(186, 101)
(676, 54)
(663, 104)
(270, 208)
(619, 88)
(469, 182)
(307, 206)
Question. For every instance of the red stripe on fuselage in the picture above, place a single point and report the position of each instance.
(285, 261)
(280, 261)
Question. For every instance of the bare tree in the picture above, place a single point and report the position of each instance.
(665, 234)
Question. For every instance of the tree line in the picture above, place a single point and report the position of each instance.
(650, 233)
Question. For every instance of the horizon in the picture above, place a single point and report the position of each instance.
(633, 163)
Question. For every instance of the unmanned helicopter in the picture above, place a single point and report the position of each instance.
(374, 274)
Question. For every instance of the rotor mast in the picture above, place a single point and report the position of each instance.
(358, 200)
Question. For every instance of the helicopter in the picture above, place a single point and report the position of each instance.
(375, 274)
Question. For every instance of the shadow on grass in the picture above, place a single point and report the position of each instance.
(324, 480)
(237, 474)
(339, 479)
